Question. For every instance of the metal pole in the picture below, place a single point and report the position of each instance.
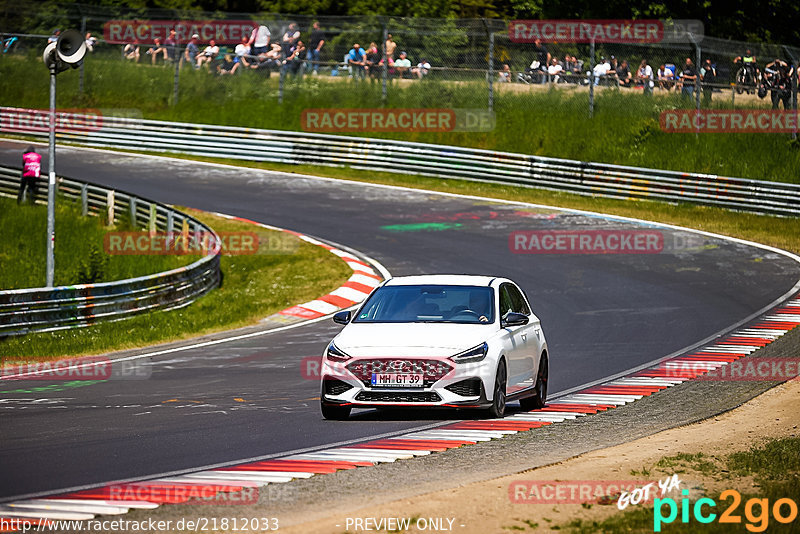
(385, 73)
(491, 69)
(591, 79)
(178, 58)
(280, 86)
(83, 34)
(51, 183)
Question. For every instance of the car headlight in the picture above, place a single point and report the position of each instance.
(475, 354)
(334, 354)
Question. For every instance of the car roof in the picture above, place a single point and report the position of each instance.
(443, 279)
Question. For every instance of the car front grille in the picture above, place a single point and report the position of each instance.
(470, 387)
(398, 396)
(336, 387)
(432, 370)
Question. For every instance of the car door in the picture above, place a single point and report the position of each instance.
(520, 338)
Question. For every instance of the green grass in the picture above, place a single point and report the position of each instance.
(79, 253)
(254, 287)
(774, 465)
(555, 122)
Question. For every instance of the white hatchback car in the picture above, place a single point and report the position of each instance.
(437, 340)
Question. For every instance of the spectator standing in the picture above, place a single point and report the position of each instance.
(357, 61)
(708, 75)
(31, 170)
(688, 78)
(157, 49)
(543, 57)
(402, 65)
(259, 40)
(192, 51)
(390, 46)
(290, 38)
(171, 42)
(315, 43)
(373, 60)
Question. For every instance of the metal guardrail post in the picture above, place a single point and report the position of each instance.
(170, 222)
(110, 207)
(132, 210)
(84, 200)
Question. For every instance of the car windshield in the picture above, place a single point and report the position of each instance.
(429, 304)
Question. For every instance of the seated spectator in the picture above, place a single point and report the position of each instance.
(373, 60)
(504, 76)
(402, 65)
(666, 77)
(644, 76)
(242, 53)
(601, 70)
(192, 50)
(157, 49)
(422, 69)
(54, 38)
(171, 42)
(623, 73)
(357, 61)
(227, 66)
(554, 70)
(131, 51)
(208, 54)
(296, 59)
(271, 60)
(90, 42)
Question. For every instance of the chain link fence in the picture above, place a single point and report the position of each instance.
(386, 62)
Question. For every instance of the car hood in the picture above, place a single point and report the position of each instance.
(411, 339)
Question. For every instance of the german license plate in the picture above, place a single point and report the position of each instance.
(404, 380)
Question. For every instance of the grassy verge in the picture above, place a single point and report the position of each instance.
(254, 286)
(781, 232)
(79, 254)
(773, 468)
(549, 122)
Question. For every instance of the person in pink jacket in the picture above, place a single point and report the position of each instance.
(31, 170)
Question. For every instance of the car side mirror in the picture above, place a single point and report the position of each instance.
(343, 317)
(514, 319)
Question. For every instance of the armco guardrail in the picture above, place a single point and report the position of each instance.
(580, 177)
(47, 309)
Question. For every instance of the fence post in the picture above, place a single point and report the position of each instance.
(385, 70)
(490, 73)
(280, 86)
(110, 206)
(794, 89)
(83, 34)
(176, 81)
(591, 79)
(697, 84)
(132, 206)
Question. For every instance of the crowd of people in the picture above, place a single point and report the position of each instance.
(775, 79)
(289, 54)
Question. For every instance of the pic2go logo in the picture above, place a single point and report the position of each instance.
(756, 511)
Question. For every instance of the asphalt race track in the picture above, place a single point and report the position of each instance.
(602, 314)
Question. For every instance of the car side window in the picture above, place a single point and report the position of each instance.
(506, 304)
(518, 303)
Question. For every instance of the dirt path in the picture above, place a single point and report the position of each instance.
(486, 507)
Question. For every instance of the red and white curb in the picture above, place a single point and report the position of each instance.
(206, 484)
(357, 288)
